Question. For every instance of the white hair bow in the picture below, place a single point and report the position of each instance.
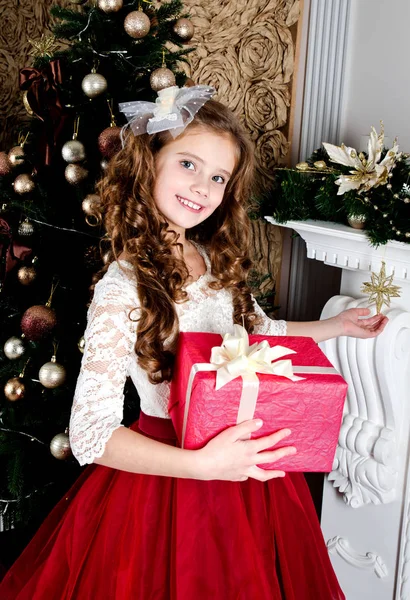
(173, 110)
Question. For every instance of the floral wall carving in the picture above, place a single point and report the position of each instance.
(246, 50)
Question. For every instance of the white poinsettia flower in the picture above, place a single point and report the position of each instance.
(365, 173)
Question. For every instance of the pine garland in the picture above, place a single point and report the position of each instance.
(310, 191)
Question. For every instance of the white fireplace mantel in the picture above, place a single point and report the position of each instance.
(366, 500)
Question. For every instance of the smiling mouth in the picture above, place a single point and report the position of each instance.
(190, 205)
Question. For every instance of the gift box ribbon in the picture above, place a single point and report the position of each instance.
(236, 358)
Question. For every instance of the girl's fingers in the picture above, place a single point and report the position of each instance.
(264, 474)
(271, 456)
(268, 441)
(243, 430)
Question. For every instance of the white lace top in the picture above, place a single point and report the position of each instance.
(109, 353)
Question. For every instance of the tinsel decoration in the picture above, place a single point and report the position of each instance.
(5, 164)
(60, 446)
(44, 47)
(184, 29)
(14, 348)
(381, 288)
(137, 24)
(24, 184)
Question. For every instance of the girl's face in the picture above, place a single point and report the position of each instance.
(192, 172)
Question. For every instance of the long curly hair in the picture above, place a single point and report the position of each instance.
(135, 226)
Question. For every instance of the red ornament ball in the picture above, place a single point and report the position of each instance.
(109, 141)
(38, 322)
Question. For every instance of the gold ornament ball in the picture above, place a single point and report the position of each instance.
(137, 24)
(110, 6)
(5, 164)
(73, 151)
(94, 85)
(302, 166)
(14, 348)
(184, 29)
(81, 344)
(26, 228)
(16, 156)
(75, 174)
(161, 79)
(14, 389)
(60, 446)
(90, 204)
(52, 374)
(26, 275)
(24, 184)
(356, 221)
(104, 164)
(320, 164)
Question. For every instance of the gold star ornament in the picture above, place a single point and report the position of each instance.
(381, 289)
(45, 46)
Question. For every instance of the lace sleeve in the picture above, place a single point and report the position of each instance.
(268, 326)
(109, 342)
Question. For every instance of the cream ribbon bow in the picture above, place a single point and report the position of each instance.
(236, 358)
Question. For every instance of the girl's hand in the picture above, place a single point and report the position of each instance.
(350, 324)
(232, 456)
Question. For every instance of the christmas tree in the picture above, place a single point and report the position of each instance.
(101, 53)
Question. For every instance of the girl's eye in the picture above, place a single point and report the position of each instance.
(218, 179)
(187, 164)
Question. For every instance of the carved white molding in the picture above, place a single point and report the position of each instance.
(324, 74)
(370, 560)
(371, 471)
(342, 246)
(365, 466)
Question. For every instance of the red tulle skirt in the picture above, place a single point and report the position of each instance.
(122, 536)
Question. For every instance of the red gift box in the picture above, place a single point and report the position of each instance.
(311, 407)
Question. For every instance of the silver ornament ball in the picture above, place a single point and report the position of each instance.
(184, 29)
(52, 375)
(110, 6)
(94, 85)
(75, 174)
(14, 348)
(16, 156)
(73, 151)
(24, 184)
(60, 446)
(161, 79)
(137, 24)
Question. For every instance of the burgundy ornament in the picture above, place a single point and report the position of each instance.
(109, 141)
(38, 322)
(5, 164)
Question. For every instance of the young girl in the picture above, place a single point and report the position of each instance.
(149, 520)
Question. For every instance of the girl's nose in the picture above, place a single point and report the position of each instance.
(200, 187)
